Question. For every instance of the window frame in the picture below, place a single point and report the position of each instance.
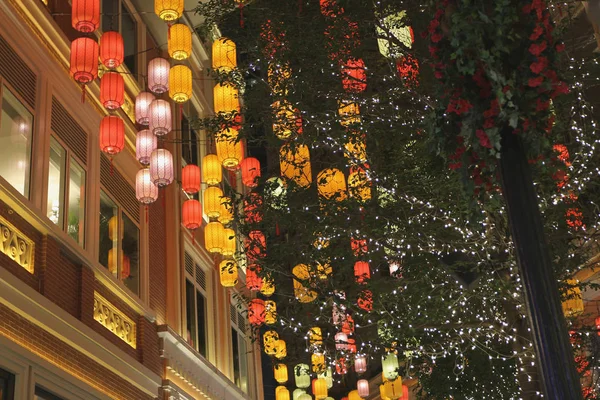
(187, 277)
(241, 313)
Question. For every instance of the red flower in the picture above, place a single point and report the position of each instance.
(488, 123)
(433, 51)
(539, 66)
(560, 47)
(463, 106)
(436, 37)
(535, 82)
(561, 88)
(433, 25)
(537, 49)
(542, 105)
(438, 74)
(537, 32)
(493, 110)
(454, 166)
(484, 140)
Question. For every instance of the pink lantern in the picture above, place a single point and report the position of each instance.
(341, 341)
(142, 107)
(145, 191)
(360, 364)
(363, 388)
(145, 144)
(160, 117)
(161, 167)
(158, 75)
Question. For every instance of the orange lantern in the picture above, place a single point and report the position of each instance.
(112, 50)
(351, 345)
(226, 98)
(359, 246)
(211, 170)
(268, 287)
(362, 271)
(179, 41)
(286, 119)
(319, 388)
(125, 267)
(112, 90)
(230, 242)
(256, 312)
(348, 325)
(303, 293)
(192, 214)
(229, 150)
(340, 366)
(294, 163)
(270, 312)
(229, 273)
(359, 184)
(349, 113)
(269, 340)
(280, 349)
(598, 325)
(332, 184)
(84, 60)
(365, 300)
(356, 148)
(85, 15)
(169, 10)
(225, 211)
(255, 245)
(223, 55)
(214, 237)
(190, 179)
(212, 201)
(112, 134)
(354, 76)
(253, 208)
(280, 372)
(253, 281)
(250, 171)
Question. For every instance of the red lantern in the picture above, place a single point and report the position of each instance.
(250, 171)
(598, 325)
(125, 267)
(365, 300)
(359, 246)
(84, 60)
(252, 208)
(351, 346)
(354, 77)
(404, 392)
(253, 282)
(362, 271)
(85, 15)
(192, 214)
(348, 326)
(255, 245)
(112, 50)
(256, 312)
(112, 134)
(112, 90)
(340, 366)
(190, 179)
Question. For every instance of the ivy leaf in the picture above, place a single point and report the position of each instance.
(513, 120)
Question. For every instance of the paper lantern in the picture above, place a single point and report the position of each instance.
(253, 208)
(214, 237)
(85, 15)
(125, 267)
(404, 392)
(319, 388)
(190, 179)
(317, 361)
(356, 150)
(84, 60)
(362, 387)
(145, 190)
(180, 42)
(229, 150)
(255, 245)
(113, 228)
(250, 167)
(393, 388)
(324, 270)
(349, 113)
(354, 76)
(286, 119)
(382, 393)
(294, 163)
(362, 272)
(145, 144)
(211, 170)
(281, 392)
(280, 349)
(301, 375)
(112, 90)
(224, 57)
(277, 77)
(341, 341)
(192, 214)
(158, 75)
(212, 201)
(338, 314)
(394, 268)
(331, 184)
(359, 246)
(389, 365)
(270, 312)
(112, 135)
(230, 242)
(305, 396)
(302, 293)
(297, 393)
(228, 273)
(225, 211)
(256, 312)
(359, 184)
(573, 305)
(281, 373)
(161, 167)
(328, 376)
(315, 337)
(226, 98)
(169, 10)
(268, 287)
(180, 83)
(365, 300)
(275, 191)
(348, 325)
(160, 117)
(340, 366)
(253, 281)
(353, 395)
(352, 345)
(142, 107)
(112, 50)
(269, 340)
(360, 364)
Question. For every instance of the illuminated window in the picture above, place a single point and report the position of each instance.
(196, 305)
(239, 346)
(16, 127)
(117, 17)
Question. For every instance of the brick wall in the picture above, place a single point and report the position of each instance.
(157, 260)
(60, 277)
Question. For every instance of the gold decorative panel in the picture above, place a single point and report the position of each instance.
(115, 321)
(16, 245)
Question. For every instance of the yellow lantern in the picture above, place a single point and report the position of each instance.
(280, 349)
(180, 42)
(214, 236)
(286, 119)
(301, 292)
(328, 376)
(393, 388)
(281, 393)
(317, 361)
(212, 201)
(320, 241)
(332, 184)
(225, 211)
(281, 373)
(353, 395)
(573, 305)
(294, 163)
(382, 393)
(228, 273)
(226, 98)
(229, 150)
(268, 286)
(359, 184)
(315, 337)
(277, 76)
(319, 387)
(324, 269)
(270, 338)
(211, 170)
(224, 57)
(270, 312)
(356, 151)
(229, 249)
(168, 10)
(180, 83)
(113, 228)
(349, 113)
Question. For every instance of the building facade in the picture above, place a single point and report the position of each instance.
(101, 297)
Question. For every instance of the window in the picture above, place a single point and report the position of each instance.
(43, 394)
(66, 191)
(189, 139)
(195, 305)
(116, 17)
(7, 385)
(239, 345)
(119, 243)
(16, 127)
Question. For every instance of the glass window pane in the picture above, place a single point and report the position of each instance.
(189, 147)
(235, 349)
(201, 318)
(7, 385)
(190, 313)
(110, 15)
(130, 266)
(243, 365)
(56, 183)
(76, 205)
(129, 33)
(16, 126)
(109, 233)
(43, 394)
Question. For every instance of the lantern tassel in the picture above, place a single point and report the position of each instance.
(146, 213)
(83, 93)
(241, 6)
(181, 112)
